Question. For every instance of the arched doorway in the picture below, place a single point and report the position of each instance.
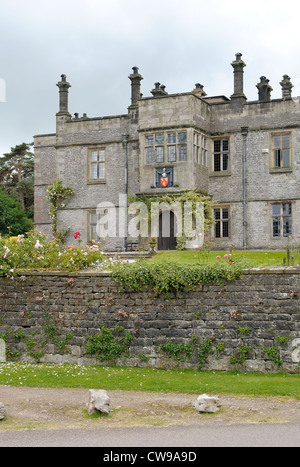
(167, 231)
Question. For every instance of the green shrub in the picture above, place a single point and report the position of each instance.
(173, 277)
(34, 251)
(109, 345)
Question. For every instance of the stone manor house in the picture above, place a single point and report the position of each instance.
(245, 155)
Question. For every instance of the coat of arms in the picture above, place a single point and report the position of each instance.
(164, 179)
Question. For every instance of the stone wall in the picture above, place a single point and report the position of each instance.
(49, 316)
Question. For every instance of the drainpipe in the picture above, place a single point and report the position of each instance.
(125, 142)
(245, 223)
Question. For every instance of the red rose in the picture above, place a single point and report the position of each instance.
(77, 234)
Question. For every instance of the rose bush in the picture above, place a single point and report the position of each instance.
(35, 251)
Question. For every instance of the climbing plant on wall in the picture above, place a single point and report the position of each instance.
(57, 197)
(192, 197)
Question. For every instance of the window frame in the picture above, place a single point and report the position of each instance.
(90, 225)
(222, 221)
(200, 149)
(166, 147)
(160, 154)
(222, 153)
(280, 150)
(99, 162)
(281, 220)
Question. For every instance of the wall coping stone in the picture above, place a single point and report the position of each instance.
(267, 270)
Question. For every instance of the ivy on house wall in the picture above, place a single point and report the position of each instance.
(57, 197)
(192, 197)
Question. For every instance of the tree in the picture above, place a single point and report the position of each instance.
(17, 175)
(13, 219)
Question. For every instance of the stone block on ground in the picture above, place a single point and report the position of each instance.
(207, 404)
(3, 412)
(2, 351)
(99, 401)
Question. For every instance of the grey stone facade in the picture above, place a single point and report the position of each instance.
(254, 179)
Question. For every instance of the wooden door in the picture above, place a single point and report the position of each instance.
(167, 232)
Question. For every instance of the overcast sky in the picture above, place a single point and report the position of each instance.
(97, 42)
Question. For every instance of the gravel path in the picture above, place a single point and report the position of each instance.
(30, 408)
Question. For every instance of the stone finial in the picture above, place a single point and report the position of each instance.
(199, 90)
(135, 79)
(63, 86)
(287, 87)
(238, 66)
(264, 90)
(159, 90)
(238, 97)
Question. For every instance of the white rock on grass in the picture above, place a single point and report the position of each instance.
(2, 351)
(3, 412)
(207, 404)
(98, 402)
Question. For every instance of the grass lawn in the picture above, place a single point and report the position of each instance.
(148, 379)
(255, 258)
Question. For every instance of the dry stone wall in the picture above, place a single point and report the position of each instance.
(252, 324)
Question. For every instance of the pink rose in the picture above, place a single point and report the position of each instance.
(77, 234)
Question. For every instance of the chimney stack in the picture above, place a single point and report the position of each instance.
(238, 97)
(199, 90)
(159, 90)
(287, 87)
(63, 86)
(264, 90)
(135, 79)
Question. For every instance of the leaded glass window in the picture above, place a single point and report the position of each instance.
(160, 154)
(182, 137)
(182, 152)
(282, 221)
(168, 146)
(282, 151)
(97, 164)
(221, 155)
(149, 155)
(92, 225)
(171, 153)
(221, 228)
(171, 138)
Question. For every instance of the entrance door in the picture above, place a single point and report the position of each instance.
(167, 231)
